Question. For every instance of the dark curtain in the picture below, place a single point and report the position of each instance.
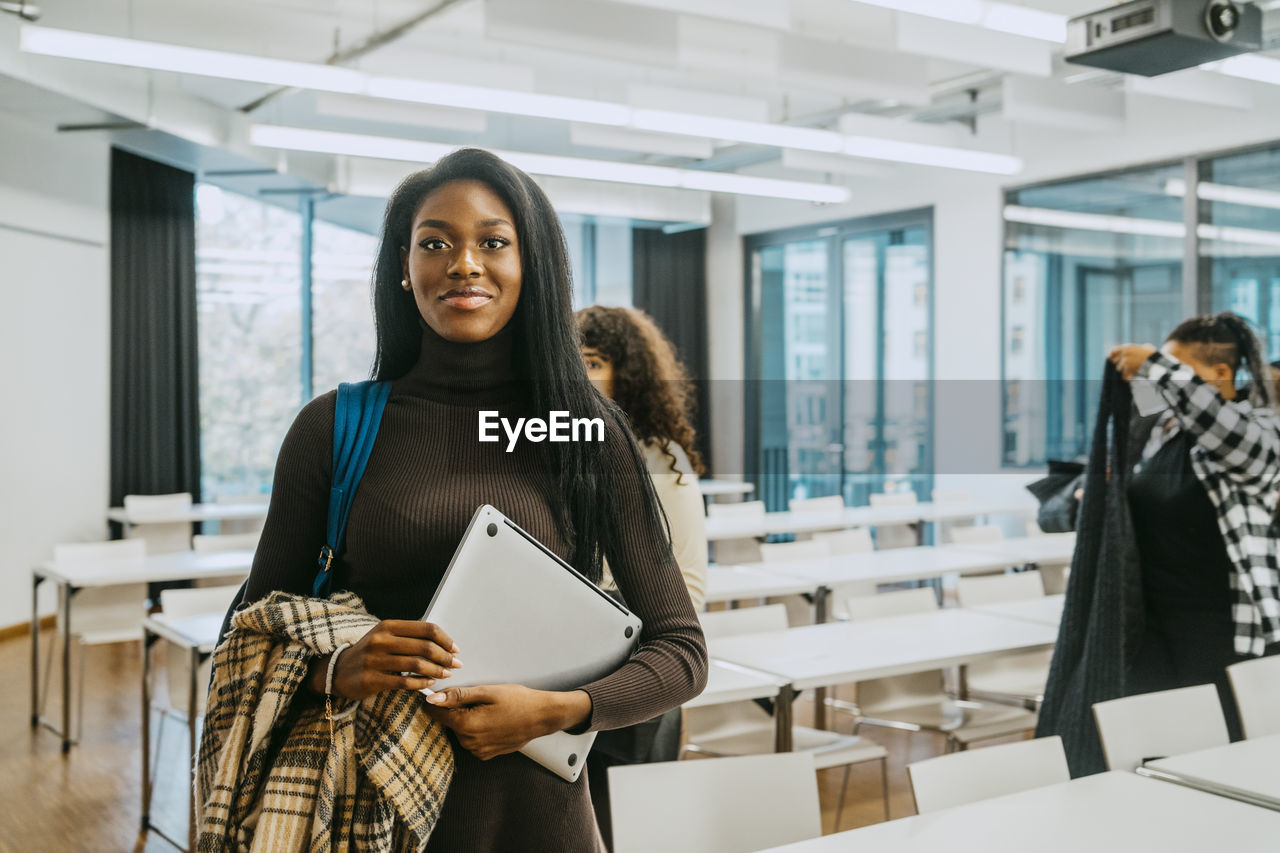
(670, 284)
(155, 415)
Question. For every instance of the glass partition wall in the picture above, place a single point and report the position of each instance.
(1093, 262)
(841, 337)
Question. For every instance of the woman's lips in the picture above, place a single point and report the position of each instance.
(466, 298)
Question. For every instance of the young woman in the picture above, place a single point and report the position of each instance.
(632, 362)
(472, 307)
(1202, 499)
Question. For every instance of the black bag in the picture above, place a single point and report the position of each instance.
(1059, 507)
(1102, 618)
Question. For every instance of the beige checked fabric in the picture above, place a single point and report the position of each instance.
(271, 775)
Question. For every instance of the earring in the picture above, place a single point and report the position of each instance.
(404, 283)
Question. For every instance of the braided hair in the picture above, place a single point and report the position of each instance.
(1226, 338)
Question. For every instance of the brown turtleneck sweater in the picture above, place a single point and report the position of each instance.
(425, 478)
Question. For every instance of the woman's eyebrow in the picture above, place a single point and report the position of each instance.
(434, 223)
(445, 226)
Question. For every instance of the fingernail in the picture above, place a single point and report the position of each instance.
(457, 662)
(446, 674)
(455, 649)
(436, 698)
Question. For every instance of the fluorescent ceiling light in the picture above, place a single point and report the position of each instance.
(189, 60)
(1247, 236)
(327, 78)
(383, 148)
(1093, 222)
(1226, 193)
(1001, 17)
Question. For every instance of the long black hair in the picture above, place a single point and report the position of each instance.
(1226, 338)
(545, 338)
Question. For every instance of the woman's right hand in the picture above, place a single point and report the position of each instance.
(378, 660)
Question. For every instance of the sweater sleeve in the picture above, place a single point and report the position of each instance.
(1243, 440)
(295, 527)
(669, 666)
(687, 517)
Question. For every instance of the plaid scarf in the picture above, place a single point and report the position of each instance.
(274, 777)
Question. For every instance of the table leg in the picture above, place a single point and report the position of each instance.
(67, 592)
(148, 639)
(962, 688)
(192, 715)
(821, 598)
(36, 580)
(783, 715)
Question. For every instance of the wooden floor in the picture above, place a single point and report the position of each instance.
(90, 800)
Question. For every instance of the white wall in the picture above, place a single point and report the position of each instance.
(54, 296)
(968, 235)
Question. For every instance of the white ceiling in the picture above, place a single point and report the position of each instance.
(806, 62)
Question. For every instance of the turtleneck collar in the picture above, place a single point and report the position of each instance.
(464, 373)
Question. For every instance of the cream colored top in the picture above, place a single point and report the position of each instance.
(686, 515)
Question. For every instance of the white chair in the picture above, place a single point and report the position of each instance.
(967, 777)
(181, 604)
(1256, 685)
(799, 608)
(975, 591)
(203, 543)
(855, 541)
(976, 534)
(744, 728)
(1158, 725)
(233, 526)
(722, 805)
(907, 498)
(919, 701)
(99, 615)
(162, 537)
(894, 535)
(832, 503)
(1019, 678)
(952, 496)
(734, 551)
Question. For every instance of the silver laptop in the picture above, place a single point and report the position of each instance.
(521, 615)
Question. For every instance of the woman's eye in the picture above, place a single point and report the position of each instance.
(493, 243)
(432, 244)
(592, 364)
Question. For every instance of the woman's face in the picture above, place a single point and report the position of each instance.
(1218, 375)
(463, 262)
(599, 370)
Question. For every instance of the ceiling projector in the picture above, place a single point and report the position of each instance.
(1150, 37)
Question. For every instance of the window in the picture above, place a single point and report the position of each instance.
(343, 340)
(248, 298)
(600, 256)
(1089, 264)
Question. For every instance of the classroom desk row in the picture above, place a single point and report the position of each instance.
(768, 523)
(1108, 811)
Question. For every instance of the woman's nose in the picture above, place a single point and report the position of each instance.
(465, 265)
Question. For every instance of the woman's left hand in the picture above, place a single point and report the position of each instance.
(496, 719)
(1129, 357)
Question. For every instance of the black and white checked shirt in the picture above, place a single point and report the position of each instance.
(1237, 458)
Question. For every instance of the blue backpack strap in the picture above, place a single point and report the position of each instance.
(355, 427)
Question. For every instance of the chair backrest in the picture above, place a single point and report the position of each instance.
(976, 534)
(744, 620)
(993, 589)
(151, 504)
(907, 498)
(225, 542)
(952, 496)
(1157, 725)
(715, 805)
(1032, 528)
(735, 510)
(89, 553)
(197, 601)
(967, 777)
(807, 549)
(832, 503)
(897, 603)
(1256, 685)
(855, 541)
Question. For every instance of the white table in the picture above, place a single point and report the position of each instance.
(832, 653)
(183, 565)
(730, 682)
(1113, 812)
(1046, 610)
(712, 488)
(1052, 549)
(197, 636)
(753, 527)
(738, 583)
(923, 562)
(190, 514)
(1248, 771)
